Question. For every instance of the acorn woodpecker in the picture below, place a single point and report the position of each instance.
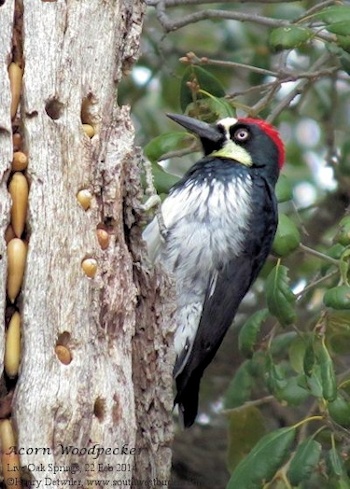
(220, 220)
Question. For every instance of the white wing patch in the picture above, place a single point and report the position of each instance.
(188, 319)
(212, 284)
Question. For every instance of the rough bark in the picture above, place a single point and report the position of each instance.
(75, 53)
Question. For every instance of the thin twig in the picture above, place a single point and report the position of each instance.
(264, 101)
(232, 64)
(297, 90)
(316, 283)
(329, 124)
(282, 75)
(177, 3)
(318, 254)
(180, 152)
(173, 25)
(286, 101)
(263, 88)
(257, 402)
(316, 8)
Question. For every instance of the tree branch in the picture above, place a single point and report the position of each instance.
(316, 8)
(317, 282)
(170, 25)
(191, 58)
(318, 254)
(173, 25)
(298, 89)
(282, 76)
(177, 3)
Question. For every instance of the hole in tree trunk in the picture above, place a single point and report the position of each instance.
(63, 339)
(54, 109)
(100, 408)
(62, 348)
(89, 115)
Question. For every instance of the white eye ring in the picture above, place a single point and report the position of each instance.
(241, 134)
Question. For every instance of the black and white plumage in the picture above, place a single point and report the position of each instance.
(220, 221)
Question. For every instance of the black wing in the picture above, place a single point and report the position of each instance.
(218, 313)
(224, 294)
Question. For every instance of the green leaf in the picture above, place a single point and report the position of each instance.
(337, 297)
(341, 27)
(313, 382)
(344, 263)
(162, 180)
(304, 461)
(246, 427)
(335, 463)
(344, 42)
(287, 237)
(335, 251)
(240, 387)
(204, 81)
(293, 393)
(338, 330)
(280, 299)
(342, 55)
(329, 382)
(309, 358)
(276, 379)
(223, 108)
(219, 108)
(248, 334)
(343, 483)
(344, 163)
(289, 37)
(339, 411)
(210, 109)
(281, 342)
(256, 364)
(344, 58)
(168, 141)
(264, 460)
(284, 189)
(334, 14)
(296, 353)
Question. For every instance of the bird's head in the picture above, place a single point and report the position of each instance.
(251, 142)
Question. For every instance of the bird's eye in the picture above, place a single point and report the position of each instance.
(241, 134)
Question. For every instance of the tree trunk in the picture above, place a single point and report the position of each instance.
(93, 395)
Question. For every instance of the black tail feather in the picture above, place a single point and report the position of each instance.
(187, 399)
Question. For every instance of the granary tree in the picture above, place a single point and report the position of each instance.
(86, 383)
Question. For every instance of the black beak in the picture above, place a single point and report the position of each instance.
(202, 129)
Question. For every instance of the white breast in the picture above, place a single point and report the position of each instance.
(206, 222)
(205, 229)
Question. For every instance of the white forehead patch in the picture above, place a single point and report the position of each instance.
(230, 149)
(226, 124)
